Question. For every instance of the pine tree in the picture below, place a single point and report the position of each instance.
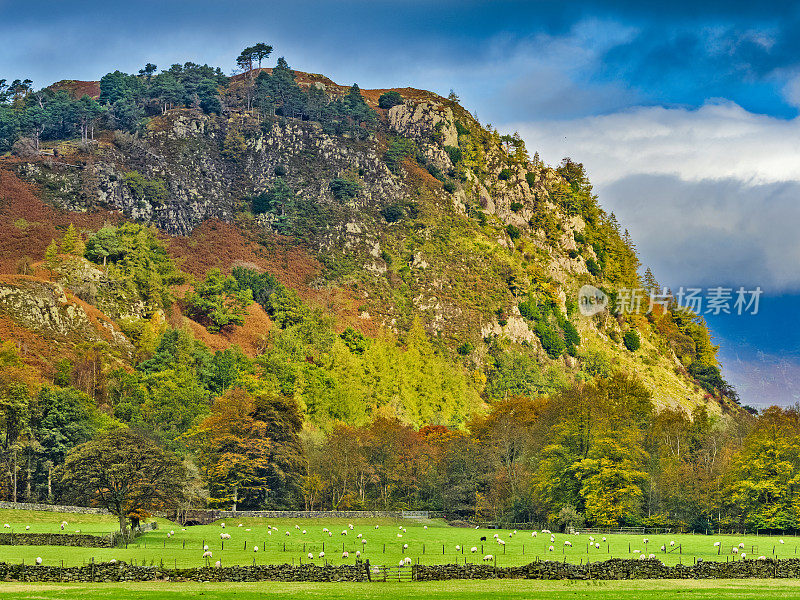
(51, 255)
(70, 241)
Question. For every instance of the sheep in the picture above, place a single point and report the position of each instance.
(376, 526)
(651, 556)
(663, 548)
(568, 543)
(344, 531)
(424, 526)
(322, 555)
(407, 560)
(533, 534)
(310, 556)
(591, 538)
(551, 548)
(552, 538)
(546, 531)
(27, 527)
(473, 549)
(239, 525)
(255, 548)
(218, 564)
(716, 544)
(735, 550)
(404, 529)
(359, 536)
(744, 555)
(350, 526)
(400, 527)
(604, 538)
(496, 535)
(207, 554)
(642, 557)
(297, 526)
(510, 535)
(7, 526)
(401, 563)
(248, 529)
(222, 525)
(304, 531)
(672, 543)
(269, 532)
(501, 542)
(205, 547)
(762, 558)
(488, 558)
(515, 532)
(345, 554)
(330, 534)
(38, 560)
(636, 551)
(405, 546)
(399, 535)
(113, 561)
(172, 532)
(741, 544)
(364, 541)
(597, 545)
(780, 541)
(287, 534)
(324, 530)
(358, 553)
(645, 541)
(458, 548)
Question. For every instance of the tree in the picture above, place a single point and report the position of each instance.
(389, 99)
(260, 51)
(632, 340)
(218, 302)
(124, 472)
(148, 71)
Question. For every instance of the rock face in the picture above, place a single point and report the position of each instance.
(44, 308)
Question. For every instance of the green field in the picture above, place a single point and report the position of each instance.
(740, 589)
(436, 544)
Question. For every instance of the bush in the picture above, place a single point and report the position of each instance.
(504, 175)
(592, 267)
(516, 206)
(218, 302)
(465, 349)
(449, 187)
(461, 128)
(390, 99)
(513, 232)
(531, 179)
(152, 191)
(579, 237)
(399, 148)
(344, 189)
(571, 335)
(273, 198)
(551, 342)
(392, 213)
(573, 254)
(631, 340)
(434, 170)
(454, 153)
(280, 171)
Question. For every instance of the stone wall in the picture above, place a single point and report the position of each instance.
(315, 514)
(82, 510)
(611, 569)
(83, 540)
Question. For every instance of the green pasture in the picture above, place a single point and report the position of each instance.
(740, 589)
(430, 542)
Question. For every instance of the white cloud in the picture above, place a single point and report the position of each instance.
(710, 195)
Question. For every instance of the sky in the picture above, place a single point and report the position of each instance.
(685, 114)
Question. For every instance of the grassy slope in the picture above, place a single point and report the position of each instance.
(425, 545)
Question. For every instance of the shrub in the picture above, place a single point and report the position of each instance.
(398, 149)
(449, 186)
(274, 197)
(152, 191)
(579, 237)
(592, 267)
(516, 206)
(465, 349)
(551, 342)
(392, 213)
(571, 335)
(389, 99)
(513, 232)
(573, 254)
(280, 171)
(344, 189)
(218, 302)
(461, 128)
(531, 179)
(631, 340)
(454, 153)
(355, 340)
(434, 170)
(504, 175)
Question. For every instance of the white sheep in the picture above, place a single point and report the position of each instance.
(597, 545)
(6, 525)
(239, 525)
(400, 527)
(473, 549)
(218, 564)
(376, 526)
(735, 550)
(248, 529)
(358, 553)
(636, 551)
(716, 544)
(424, 526)
(345, 554)
(762, 557)
(744, 555)
(533, 534)
(401, 563)
(568, 543)
(311, 556)
(255, 548)
(663, 548)
(113, 561)
(269, 532)
(222, 525)
(645, 541)
(304, 531)
(359, 536)
(297, 526)
(458, 548)
(642, 557)
(172, 532)
(672, 543)
(651, 556)
(38, 560)
(207, 554)
(488, 557)
(501, 542)
(780, 541)
(407, 560)
(344, 531)
(399, 535)
(405, 546)
(496, 535)
(287, 534)
(364, 541)
(322, 555)
(546, 531)
(604, 538)
(205, 547)
(551, 548)
(591, 538)
(510, 534)
(552, 538)
(324, 530)
(515, 532)
(27, 527)
(350, 526)
(741, 544)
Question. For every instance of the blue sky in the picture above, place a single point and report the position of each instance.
(685, 114)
